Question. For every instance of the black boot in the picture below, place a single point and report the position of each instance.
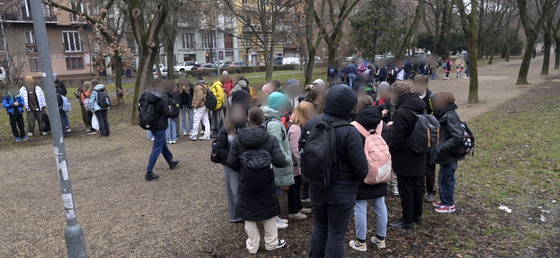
(401, 224)
(418, 220)
(173, 164)
(150, 176)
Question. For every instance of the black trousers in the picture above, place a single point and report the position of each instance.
(410, 192)
(294, 200)
(16, 121)
(429, 179)
(103, 122)
(305, 194)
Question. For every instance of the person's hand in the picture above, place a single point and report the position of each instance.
(384, 112)
(76, 94)
(390, 124)
(16, 104)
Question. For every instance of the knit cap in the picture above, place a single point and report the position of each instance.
(277, 100)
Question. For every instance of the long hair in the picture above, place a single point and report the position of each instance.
(230, 125)
(322, 103)
(311, 94)
(85, 88)
(184, 81)
(299, 117)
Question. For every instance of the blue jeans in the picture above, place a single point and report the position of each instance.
(149, 134)
(159, 147)
(435, 74)
(360, 217)
(446, 182)
(468, 72)
(171, 132)
(184, 112)
(332, 212)
(66, 120)
(351, 79)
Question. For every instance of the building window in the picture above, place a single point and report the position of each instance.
(131, 43)
(25, 9)
(34, 65)
(82, 8)
(229, 53)
(245, 2)
(228, 41)
(29, 37)
(209, 40)
(71, 41)
(188, 40)
(74, 63)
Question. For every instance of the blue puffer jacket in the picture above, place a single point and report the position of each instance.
(8, 103)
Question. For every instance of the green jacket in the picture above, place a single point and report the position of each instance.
(282, 176)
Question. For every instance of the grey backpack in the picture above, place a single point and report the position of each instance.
(425, 135)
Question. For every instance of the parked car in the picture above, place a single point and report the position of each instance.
(184, 66)
(378, 57)
(161, 66)
(278, 60)
(220, 63)
(163, 73)
(2, 74)
(227, 64)
(238, 64)
(207, 66)
(389, 56)
(291, 60)
(261, 63)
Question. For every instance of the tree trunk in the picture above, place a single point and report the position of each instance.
(310, 67)
(118, 76)
(524, 69)
(547, 46)
(508, 52)
(418, 14)
(169, 50)
(492, 49)
(473, 65)
(331, 48)
(557, 58)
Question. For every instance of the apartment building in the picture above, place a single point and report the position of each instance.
(70, 48)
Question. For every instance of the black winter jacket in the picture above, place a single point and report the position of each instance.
(382, 74)
(61, 87)
(450, 135)
(222, 145)
(162, 109)
(186, 98)
(350, 147)
(428, 101)
(176, 97)
(256, 205)
(405, 162)
(369, 118)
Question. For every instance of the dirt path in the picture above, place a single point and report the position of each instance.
(184, 214)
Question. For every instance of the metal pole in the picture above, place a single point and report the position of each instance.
(73, 233)
(216, 25)
(5, 45)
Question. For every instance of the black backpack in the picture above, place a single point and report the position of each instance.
(467, 143)
(45, 123)
(103, 99)
(175, 107)
(256, 166)
(392, 74)
(425, 134)
(211, 100)
(147, 113)
(319, 159)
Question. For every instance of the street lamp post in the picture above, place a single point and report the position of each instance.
(74, 234)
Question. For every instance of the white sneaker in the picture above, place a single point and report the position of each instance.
(204, 138)
(193, 138)
(306, 200)
(173, 142)
(305, 210)
(278, 219)
(44, 133)
(185, 133)
(298, 215)
(169, 142)
(280, 225)
(29, 134)
(68, 129)
(281, 243)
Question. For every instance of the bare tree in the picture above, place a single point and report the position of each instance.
(548, 30)
(265, 20)
(438, 17)
(468, 22)
(417, 15)
(146, 21)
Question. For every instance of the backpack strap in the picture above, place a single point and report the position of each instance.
(379, 128)
(339, 124)
(361, 129)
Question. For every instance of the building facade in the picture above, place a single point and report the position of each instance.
(68, 41)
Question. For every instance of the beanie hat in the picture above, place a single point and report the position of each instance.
(268, 87)
(54, 75)
(225, 73)
(29, 78)
(292, 81)
(277, 100)
(383, 85)
(240, 96)
(319, 81)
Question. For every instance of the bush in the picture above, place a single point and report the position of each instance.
(241, 69)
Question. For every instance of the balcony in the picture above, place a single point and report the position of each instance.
(18, 17)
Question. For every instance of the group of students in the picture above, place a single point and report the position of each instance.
(30, 99)
(265, 146)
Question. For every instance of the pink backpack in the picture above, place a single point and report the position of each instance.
(377, 153)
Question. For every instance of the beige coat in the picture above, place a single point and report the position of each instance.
(199, 97)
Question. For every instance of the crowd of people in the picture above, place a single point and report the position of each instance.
(30, 99)
(269, 141)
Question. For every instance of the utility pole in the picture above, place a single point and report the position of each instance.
(74, 234)
(216, 40)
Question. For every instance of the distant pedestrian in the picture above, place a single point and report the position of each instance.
(257, 199)
(534, 53)
(85, 105)
(217, 113)
(186, 91)
(157, 98)
(172, 94)
(352, 73)
(34, 105)
(61, 89)
(447, 66)
(62, 110)
(13, 103)
(99, 107)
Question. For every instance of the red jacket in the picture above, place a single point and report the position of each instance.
(379, 102)
(228, 86)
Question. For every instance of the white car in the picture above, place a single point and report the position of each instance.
(2, 74)
(163, 73)
(184, 66)
(290, 60)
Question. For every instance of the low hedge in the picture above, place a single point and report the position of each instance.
(241, 69)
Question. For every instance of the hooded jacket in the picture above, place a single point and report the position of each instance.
(94, 97)
(61, 87)
(161, 108)
(256, 205)
(218, 91)
(450, 135)
(199, 97)
(283, 176)
(350, 147)
(228, 86)
(369, 118)
(187, 96)
(241, 85)
(9, 100)
(406, 162)
(428, 100)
